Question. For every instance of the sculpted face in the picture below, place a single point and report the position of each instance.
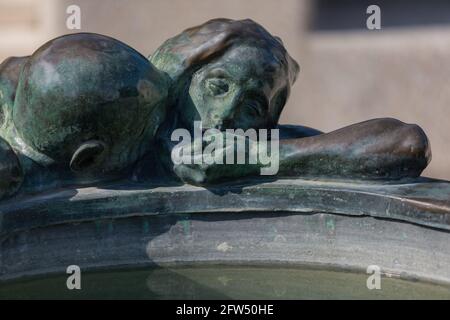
(245, 88)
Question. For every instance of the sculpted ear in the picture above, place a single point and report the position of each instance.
(88, 156)
(294, 70)
(278, 104)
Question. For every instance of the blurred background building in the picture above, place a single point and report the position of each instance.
(349, 73)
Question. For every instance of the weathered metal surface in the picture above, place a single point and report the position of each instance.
(85, 108)
(327, 224)
(82, 108)
(425, 201)
(234, 74)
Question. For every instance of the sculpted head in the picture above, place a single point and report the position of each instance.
(89, 102)
(228, 74)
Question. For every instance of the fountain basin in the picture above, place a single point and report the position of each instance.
(284, 225)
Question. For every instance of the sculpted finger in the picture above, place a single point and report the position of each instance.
(190, 174)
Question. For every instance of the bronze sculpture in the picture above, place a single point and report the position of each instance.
(85, 108)
(234, 74)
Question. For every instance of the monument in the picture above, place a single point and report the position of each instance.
(87, 138)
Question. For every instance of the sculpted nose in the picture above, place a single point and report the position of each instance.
(223, 118)
(226, 111)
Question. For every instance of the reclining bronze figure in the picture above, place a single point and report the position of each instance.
(86, 108)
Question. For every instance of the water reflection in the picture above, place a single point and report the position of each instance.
(223, 282)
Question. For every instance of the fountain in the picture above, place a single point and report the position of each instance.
(88, 180)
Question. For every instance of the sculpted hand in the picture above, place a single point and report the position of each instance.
(214, 158)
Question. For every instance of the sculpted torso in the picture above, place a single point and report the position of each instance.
(86, 108)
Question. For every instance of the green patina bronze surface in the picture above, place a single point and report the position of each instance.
(404, 227)
(234, 74)
(85, 108)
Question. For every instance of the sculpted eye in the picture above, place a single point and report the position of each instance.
(255, 103)
(253, 106)
(217, 86)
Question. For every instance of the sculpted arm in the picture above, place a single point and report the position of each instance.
(375, 149)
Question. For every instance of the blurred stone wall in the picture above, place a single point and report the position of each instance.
(347, 76)
(353, 76)
(26, 24)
